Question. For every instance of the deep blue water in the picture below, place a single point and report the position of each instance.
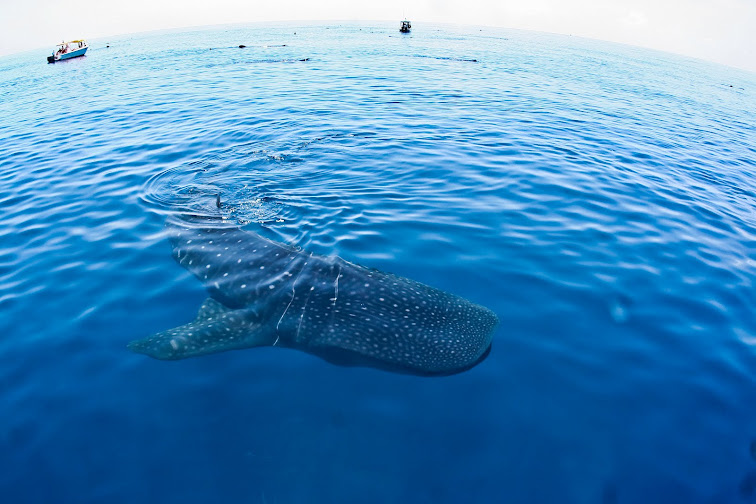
(600, 199)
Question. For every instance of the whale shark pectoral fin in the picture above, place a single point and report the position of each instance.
(211, 309)
(216, 329)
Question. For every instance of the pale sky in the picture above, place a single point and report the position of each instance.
(723, 31)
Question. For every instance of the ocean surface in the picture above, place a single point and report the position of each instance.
(599, 198)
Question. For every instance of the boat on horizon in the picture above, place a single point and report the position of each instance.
(68, 50)
(405, 27)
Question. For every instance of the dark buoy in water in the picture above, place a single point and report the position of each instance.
(242, 46)
(218, 201)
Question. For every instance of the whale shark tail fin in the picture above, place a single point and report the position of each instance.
(207, 210)
(216, 329)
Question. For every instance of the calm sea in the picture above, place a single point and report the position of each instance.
(599, 198)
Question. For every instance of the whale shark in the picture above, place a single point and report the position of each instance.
(265, 293)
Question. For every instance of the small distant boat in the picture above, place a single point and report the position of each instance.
(68, 50)
(405, 27)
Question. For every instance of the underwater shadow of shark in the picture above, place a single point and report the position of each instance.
(264, 293)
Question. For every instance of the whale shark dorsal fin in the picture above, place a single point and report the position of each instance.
(211, 309)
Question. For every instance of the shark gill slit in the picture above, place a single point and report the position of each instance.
(293, 295)
(301, 316)
(336, 287)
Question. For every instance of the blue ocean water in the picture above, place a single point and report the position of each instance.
(599, 198)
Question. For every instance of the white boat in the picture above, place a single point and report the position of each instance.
(68, 50)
